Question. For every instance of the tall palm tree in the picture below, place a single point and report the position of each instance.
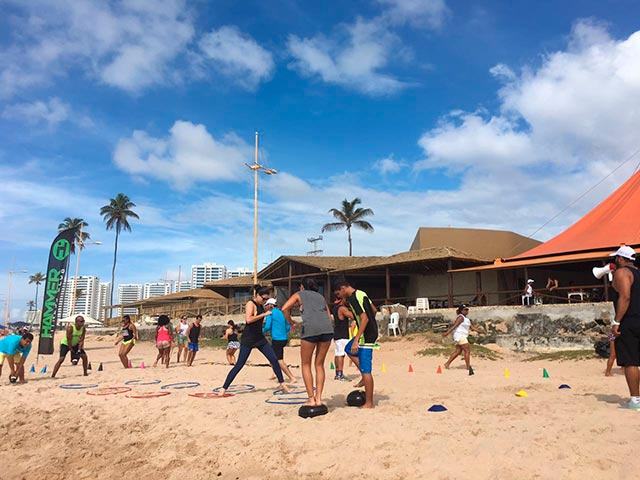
(349, 216)
(116, 217)
(78, 225)
(37, 278)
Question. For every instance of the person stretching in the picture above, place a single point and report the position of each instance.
(278, 327)
(460, 329)
(193, 334)
(233, 345)
(15, 348)
(73, 340)
(342, 321)
(128, 336)
(252, 337)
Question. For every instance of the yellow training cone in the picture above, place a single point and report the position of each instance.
(507, 373)
(522, 394)
(384, 368)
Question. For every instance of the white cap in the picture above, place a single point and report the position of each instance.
(271, 301)
(625, 252)
(530, 281)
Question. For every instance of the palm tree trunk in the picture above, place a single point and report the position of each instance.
(113, 274)
(350, 245)
(37, 285)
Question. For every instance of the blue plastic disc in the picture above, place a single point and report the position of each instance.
(563, 386)
(437, 408)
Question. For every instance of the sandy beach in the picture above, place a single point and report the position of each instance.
(487, 432)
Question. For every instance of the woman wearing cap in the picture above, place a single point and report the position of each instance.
(528, 293)
(460, 329)
(278, 327)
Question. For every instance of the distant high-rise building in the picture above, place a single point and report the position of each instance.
(87, 296)
(182, 286)
(206, 272)
(239, 272)
(105, 298)
(156, 289)
(127, 293)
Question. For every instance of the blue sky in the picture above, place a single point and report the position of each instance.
(435, 113)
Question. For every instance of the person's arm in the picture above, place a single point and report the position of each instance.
(455, 325)
(364, 320)
(69, 335)
(189, 331)
(266, 326)
(135, 331)
(81, 341)
(288, 306)
(556, 284)
(250, 314)
(12, 365)
(549, 284)
(622, 281)
(119, 338)
(226, 334)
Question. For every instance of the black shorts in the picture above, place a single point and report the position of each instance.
(628, 343)
(325, 337)
(278, 347)
(64, 349)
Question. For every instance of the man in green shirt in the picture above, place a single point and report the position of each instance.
(73, 340)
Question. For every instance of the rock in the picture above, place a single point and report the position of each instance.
(502, 327)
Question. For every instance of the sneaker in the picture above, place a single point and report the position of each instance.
(471, 372)
(633, 406)
(337, 377)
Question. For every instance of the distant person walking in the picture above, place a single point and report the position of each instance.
(128, 336)
(460, 329)
(626, 327)
(233, 345)
(278, 327)
(252, 337)
(315, 336)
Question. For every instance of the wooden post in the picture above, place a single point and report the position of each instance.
(387, 278)
(450, 293)
(290, 273)
(328, 292)
(605, 279)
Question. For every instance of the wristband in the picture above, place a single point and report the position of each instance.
(614, 323)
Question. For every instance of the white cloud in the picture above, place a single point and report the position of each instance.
(418, 13)
(355, 57)
(502, 71)
(389, 165)
(237, 55)
(189, 154)
(51, 112)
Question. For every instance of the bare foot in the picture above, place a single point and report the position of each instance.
(310, 403)
(221, 392)
(608, 374)
(359, 384)
(446, 366)
(367, 405)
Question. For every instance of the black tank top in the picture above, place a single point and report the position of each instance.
(194, 333)
(252, 335)
(634, 303)
(127, 334)
(233, 337)
(341, 327)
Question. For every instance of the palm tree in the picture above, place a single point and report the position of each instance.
(116, 216)
(349, 216)
(31, 304)
(37, 278)
(77, 225)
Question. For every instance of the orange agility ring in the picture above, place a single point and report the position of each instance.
(210, 395)
(148, 394)
(108, 391)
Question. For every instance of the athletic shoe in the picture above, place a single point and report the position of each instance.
(633, 406)
(471, 372)
(337, 377)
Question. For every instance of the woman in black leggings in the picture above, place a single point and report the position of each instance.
(252, 337)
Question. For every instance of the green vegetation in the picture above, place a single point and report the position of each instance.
(562, 355)
(477, 351)
(213, 342)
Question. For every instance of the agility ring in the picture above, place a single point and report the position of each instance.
(108, 391)
(141, 383)
(77, 386)
(210, 395)
(286, 401)
(242, 388)
(148, 394)
(180, 385)
(295, 392)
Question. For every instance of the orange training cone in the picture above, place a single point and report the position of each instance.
(142, 365)
(439, 369)
(130, 366)
(410, 368)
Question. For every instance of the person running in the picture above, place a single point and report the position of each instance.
(252, 337)
(278, 327)
(128, 336)
(183, 326)
(460, 329)
(360, 347)
(315, 336)
(343, 321)
(164, 337)
(231, 336)
(626, 325)
(15, 348)
(73, 340)
(193, 334)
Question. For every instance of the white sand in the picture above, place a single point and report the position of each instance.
(487, 432)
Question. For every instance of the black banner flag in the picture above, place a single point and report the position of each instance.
(56, 272)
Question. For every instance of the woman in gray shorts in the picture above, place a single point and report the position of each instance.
(316, 335)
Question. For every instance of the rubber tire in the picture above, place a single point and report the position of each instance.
(306, 411)
(356, 398)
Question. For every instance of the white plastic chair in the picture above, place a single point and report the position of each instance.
(394, 323)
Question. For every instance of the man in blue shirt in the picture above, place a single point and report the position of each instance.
(277, 324)
(15, 348)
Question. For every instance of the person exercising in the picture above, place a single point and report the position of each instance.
(15, 348)
(73, 340)
(343, 320)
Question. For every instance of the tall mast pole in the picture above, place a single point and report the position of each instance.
(255, 214)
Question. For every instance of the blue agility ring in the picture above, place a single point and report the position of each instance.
(180, 385)
(77, 386)
(287, 401)
(141, 383)
(242, 388)
(295, 392)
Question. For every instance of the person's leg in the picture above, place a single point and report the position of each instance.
(85, 363)
(242, 359)
(321, 356)
(63, 353)
(632, 374)
(365, 356)
(167, 356)
(453, 356)
(285, 369)
(193, 356)
(230, 356)
(122, 355)
(21, 372)
(160, 355)
(467, 355)
(306, 354)
(611, 359)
